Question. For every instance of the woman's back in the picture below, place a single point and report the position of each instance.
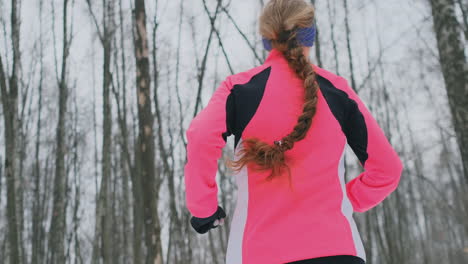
(275, 222)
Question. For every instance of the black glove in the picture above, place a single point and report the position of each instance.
(203, 225)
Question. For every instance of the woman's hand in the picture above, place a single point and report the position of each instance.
(203, 225)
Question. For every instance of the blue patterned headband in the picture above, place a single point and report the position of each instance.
(305, 36)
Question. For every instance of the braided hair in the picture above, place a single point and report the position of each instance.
(279, 22)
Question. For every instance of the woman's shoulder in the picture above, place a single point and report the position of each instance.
(327, 74)
(246, 75)
(334, 79)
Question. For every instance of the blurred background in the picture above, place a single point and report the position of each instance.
(96, 97)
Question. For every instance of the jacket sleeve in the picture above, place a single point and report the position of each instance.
(381, 163)
(205, 141)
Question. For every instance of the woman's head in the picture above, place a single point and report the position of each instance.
(280, 22)
(281, 19)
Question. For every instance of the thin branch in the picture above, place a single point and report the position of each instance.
(93, 16)
(251, 46)
(202, 68)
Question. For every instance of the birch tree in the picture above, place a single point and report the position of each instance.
(148, 175)
(454, 69)
(9, 92)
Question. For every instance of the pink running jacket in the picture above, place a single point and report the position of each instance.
(273, 223)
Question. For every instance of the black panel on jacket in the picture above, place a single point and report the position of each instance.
(242, 103)
(339, 259)
(347, 112)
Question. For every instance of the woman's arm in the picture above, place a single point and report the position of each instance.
(204, 147)
(382, 165)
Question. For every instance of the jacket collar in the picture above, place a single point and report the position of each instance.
(275, 55)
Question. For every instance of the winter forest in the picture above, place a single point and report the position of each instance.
(96, 97)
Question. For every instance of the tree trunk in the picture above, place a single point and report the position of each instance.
(145, 143)
(332, 17)
(38, 207)
(126, 158)
(10, 104)
(57, 226)
(454, 69)
(318, 51)
(103, 244)
(106, 213)
(348, 45)
(9, 94)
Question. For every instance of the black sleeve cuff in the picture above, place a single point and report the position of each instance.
(203, 225)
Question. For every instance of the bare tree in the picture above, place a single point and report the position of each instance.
(127, 165)
(145, 145)
(175, 234)
(58, 222)
(38, 232)
(77, 141)
(202, 66)
(9, 93)
(454, 69)
(104, 221)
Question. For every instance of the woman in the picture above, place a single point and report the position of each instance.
(291, 121)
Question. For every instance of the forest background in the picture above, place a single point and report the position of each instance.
(96, 97)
